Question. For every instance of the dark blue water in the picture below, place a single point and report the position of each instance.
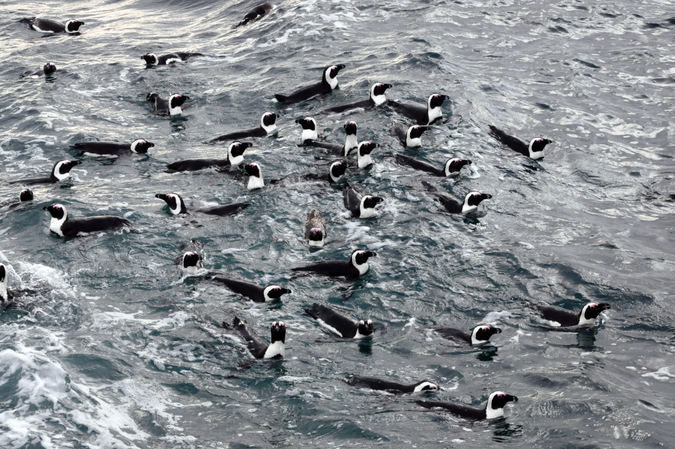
(115, 348)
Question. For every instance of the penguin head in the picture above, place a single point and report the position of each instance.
(316, 235)
(235, 152)
(73, 26)
(593, 309)
(177, 100)
(3, 274)
(496, 403)
(57, 211)
(141, 146)
(150, 58)
(330, 75)
(308, 125)
(416, 131)
(350, 128)
(370, 201)
(152, 97)
(191, 261)
(268, 122)
(252, 169)
(26, 195)
(436, 100)
(255, 180)
(337, 170)
(366, 148)
(278, 332)
(62, 169)
(536, 147)
(272, 292)
(454, 165)
(49, 68)
(365, 327)
(174, 201)
(425, 385)
(481, 334)
(377, 93)
(360, 256)
(473, 199)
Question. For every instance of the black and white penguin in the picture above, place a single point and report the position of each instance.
(335, 172)
(339, 324)
(63, 226)
(452, 166)
(328, 82)
(138, 146)
(25, 196)
(5, 295)
(52, 26)
(258, 347)
(355, 266)
(191, 262)
(315, 230)
(179, 56)
(535, 150)
(60, 172)
(309, 137)
(377, 98)
(171, 107)
(493, 409)
(363, 158)
(177, 206)
(235, 157)
(256, 13)
(374, 383)
(479, 335)
(423, 115)
(409, 136)
(255, 179)
(267, 127)
(360, 205)
(564, 318)
(47, 69)
(470, 203)
(253, 292)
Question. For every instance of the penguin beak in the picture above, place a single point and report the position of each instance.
(388, 86)
(161, 196)
(371, 254)
(604, 306)
(340, 66)
(486, 196)
(285, 291)
(511, 398)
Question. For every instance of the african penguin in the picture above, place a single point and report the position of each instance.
(171, 107)
(564, 318)
(256, 13)
(52, 26)
(260, 349)
(423, 115)
(25, 196)
(315, 230)
(328, 82)
(179, 56)
(191, 262)
(267, 127)
(63, 226)
(374, 383)
(4, 292)
(535, 150)
(356, 265)
(60, 172)
(360, 205)
(377, 98)
(253, 292)
(235, 157)
(452, 166)
(139, 146)
(335, 172)
(340, 324)
(363, 158)
(493, 409)
(47, 69)
(255, 179)
(479, 335)
(177, 206)
(409, 136)
(470, 203)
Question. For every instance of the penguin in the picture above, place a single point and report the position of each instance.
(535, 150)
(409, 136)
(360, 205)
(170, 107)
(260, 349)
(191, 262)
(60, 172)
(5, 295)
(177, 206)
(328, 83)
(470, 204)
(47, 69)
(339, 324)
(63, 226)
(335, 172)
(25, 196)
(355, 266)
(255, 179)
(256, 13)
(253, 292)
(565, 318)
(267, 127)
(179, 56)
(423, 115)
(479, 335)
(363, 159)
(315, 230)
(52, 26)
(493, 409)
(377, 98)
(452, 166)
(138, 146)
(309, 137)
(374, 383)
(235, 157)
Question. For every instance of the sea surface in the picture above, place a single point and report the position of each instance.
(110, 345)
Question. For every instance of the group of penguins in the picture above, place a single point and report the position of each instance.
(361, 206)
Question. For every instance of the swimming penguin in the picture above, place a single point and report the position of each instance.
(363, 158)
(5, 295)
(535, 150)
(254, 292)
(470, 204)
(328, 82)
(267, 127)
(179, 56)
(562, 317)
(423, 115)
(374, 383)
(255, 179)
(177, 206)
(63, 226)
(170, 107)
(52, 26)
(493, 409)
(409, 136)
(340, 324)
(235, 157)
(315, 230)
(60, 172)
(139, 146)
(191, 262)
(309, 137)
(360, 205)
(260, 349)
(335, 172)
(479, 335)
(25, 196)
(377, 98)
(47, 69)
(256, 13)
(451, 168)
(356, 265)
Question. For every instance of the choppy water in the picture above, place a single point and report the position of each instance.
(116, 349)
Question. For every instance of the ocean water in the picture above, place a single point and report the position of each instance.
(111, 346)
